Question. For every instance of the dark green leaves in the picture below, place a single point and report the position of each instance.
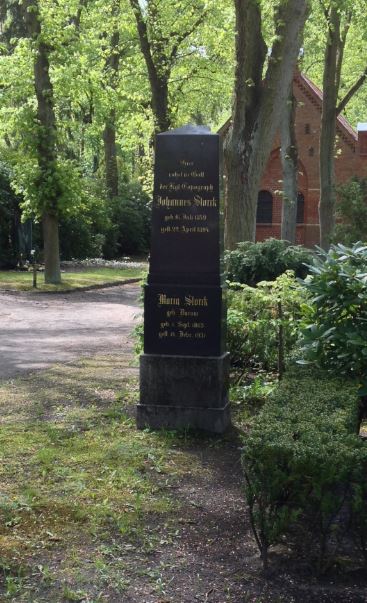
(335, 336)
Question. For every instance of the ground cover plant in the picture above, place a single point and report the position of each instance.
(88, 277)
(263, 323)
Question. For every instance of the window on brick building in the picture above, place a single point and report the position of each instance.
(307, 129)
(311, 152)
(300, 208)
(264, 214)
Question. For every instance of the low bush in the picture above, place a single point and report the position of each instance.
(80, 237)
(85, 227)
(335, 333)
(111, 229)
(351, 211)
(302, 461)
(130, 218)
(9, 220)
(249, 396)
(262, 322)
(251, 263)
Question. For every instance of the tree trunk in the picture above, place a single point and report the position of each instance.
(327, 133)
(50, 227)
(289, 155)
(48, 184)
(47, 163)
(327, 184)
(158, 67)
(161, 111)
(240, 212)
(240, 217)
(160, 55)
(257, 107)
(109, 134)
(110, 152)
(331, 108)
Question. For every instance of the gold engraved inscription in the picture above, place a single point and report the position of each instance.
(191, 300)
(201, 202)
(163, 300)
(188, 313)
(194, 229)
(181, 174)
(181, 196)
(171, 186)
(197, 201)
(167, 202)
(182, 318)
(185, 217)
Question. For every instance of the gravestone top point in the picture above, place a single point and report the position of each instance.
(190, 129)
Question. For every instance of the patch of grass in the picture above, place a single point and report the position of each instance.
(79, 484)
(22, 281)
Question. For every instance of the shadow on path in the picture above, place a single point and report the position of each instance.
(39, 330)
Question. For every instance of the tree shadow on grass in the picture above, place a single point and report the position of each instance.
(93, 384)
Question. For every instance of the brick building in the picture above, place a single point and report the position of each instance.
(351, 161)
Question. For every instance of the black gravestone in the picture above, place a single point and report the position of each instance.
(184, 369)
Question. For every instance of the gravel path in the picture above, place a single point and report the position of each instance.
(37, 330)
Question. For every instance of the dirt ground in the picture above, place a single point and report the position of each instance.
(213, 557)
(37, 330)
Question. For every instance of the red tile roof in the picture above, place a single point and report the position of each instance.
(342, 123)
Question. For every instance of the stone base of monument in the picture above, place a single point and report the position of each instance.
(179, 392)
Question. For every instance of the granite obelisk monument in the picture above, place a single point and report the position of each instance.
(184, 370)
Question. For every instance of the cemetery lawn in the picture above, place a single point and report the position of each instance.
(22, 281)
(93, 510)
(78, 483)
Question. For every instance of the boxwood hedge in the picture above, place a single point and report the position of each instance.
(304, 464)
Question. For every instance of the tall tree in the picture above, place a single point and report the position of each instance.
(92, 94)
(48, 181)
(160, 47)
(257, 107)
(289, 157)
(109, 133)
(339, 17)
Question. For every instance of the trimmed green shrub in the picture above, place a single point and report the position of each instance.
(359, 505)
(251, 263)
(262, 322)
(302, 460)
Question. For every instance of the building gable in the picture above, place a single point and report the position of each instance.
(350, 161)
